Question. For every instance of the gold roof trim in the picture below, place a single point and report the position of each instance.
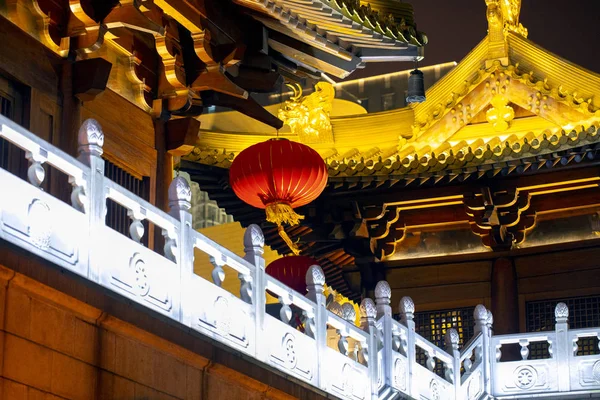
(479, 154)
(455, 82)
(557, 71)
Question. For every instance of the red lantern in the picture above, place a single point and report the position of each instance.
(279, 175)
(291, 271)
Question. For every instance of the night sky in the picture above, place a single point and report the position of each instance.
(568, 28)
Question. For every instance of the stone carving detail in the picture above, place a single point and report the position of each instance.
(348, 312)
(90, 133)
(289, 348)
(40, 225)
(315, 276)
(348, 374)
(480, 313)
(596, 371)
(137, 264)
(400, 374)
(490, 318)
(452, 337)
(474, 386)
(561, 311)
(383, 290)
(368, 309)
(525, 377)
(222, 318)
(336, 309)
(407, 306)
(253, 237)
(434, 388)
(179, 190)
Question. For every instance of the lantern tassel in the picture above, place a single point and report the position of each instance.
(287, 240)
(283, 213)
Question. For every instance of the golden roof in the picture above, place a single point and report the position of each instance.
(497, 107)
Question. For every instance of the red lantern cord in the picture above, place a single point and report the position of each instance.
(279, 175)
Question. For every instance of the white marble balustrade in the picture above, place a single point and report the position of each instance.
(374, 361)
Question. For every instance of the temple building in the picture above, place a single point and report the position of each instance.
(199, 201)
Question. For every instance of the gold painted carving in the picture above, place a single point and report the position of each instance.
(503, 16)
(308, 116)
(511, 9)
(501, 114)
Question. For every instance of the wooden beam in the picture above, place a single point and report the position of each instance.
(90, 78)
(181, 135)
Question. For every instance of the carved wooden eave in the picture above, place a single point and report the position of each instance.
(381, 219)
(471, 159)
(178, 56)
(350, 35)
(448, 136)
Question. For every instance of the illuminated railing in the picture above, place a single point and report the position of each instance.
(376, 361)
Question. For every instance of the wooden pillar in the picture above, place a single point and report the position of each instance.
(71, 107)
(505, 298)
(164, 173)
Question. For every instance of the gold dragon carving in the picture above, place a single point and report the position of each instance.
(503, 15)
(308, 116)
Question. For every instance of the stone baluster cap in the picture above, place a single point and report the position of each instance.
(90, 138)
(180, 194)
(383, 293)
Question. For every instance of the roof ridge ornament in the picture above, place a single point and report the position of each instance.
(503, 17)
(505, 14)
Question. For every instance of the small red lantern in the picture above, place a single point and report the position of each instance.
(279, 175)
(291, 271)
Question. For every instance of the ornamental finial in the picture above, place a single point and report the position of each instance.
(315, 276)
(383, 292)
(480, 313)
(489, 319)
(90, 137)
(253, 237)
(367, 309)
(407, 306)
(348, 312)
(452, 338)
(561, 311)
(180, 194)
(336, 308)
(503, 16)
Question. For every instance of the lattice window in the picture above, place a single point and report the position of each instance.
(584, 312)
(432, 325)
(116, 215)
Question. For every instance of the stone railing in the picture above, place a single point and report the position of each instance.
(376, 361)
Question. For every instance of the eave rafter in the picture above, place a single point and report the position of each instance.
(176, 54)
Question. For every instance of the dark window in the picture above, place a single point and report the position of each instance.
(12, 106)
(584, 312)
(432, 325)
(116, 215)
(388, 101)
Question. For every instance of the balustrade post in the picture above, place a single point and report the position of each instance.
(383, 295)
(253, 287)
(407, 313)
(181, 251)
(315, 279)
(562, 347)
(481, 325)
(91, 199)
(451, 340)
(368, 313)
